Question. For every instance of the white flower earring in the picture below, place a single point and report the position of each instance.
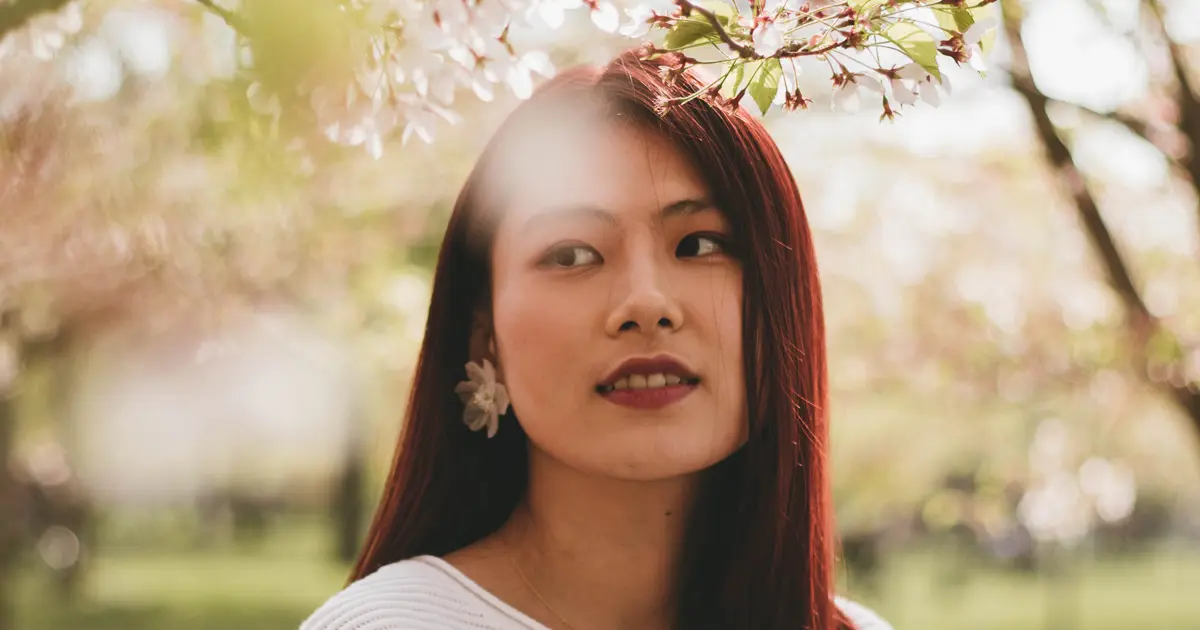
(485, 398)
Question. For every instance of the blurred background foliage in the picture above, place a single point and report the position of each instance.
(208, 316)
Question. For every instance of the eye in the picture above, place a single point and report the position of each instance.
(571, 256)
(695, 245)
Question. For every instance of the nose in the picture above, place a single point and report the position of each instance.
(646, 304)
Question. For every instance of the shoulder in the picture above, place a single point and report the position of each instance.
(863, 618)
(412, 594)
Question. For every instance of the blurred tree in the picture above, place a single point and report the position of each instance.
(1167, 117)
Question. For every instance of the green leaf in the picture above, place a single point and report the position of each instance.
(917, 44)
(765, 84)
(864, 5)
(734, 81)
(956, 19)
(690, 31)
(721, 8)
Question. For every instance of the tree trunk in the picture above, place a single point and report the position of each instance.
(350, 500)
(12, 504)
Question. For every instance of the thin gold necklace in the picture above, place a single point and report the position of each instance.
(513, 561)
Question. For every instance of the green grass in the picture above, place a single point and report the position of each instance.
(276, 586)
(269, 588)
(1157, 590)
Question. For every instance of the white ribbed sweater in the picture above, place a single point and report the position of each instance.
(428, 593)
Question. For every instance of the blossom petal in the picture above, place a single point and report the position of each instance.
(929, 93)
(974, 34)
(483, 89)
(977, 62)
(846, 98)
(902, 94)
(945, 83)
(493, 424)
(551, 13)
(913, 72)
(489, 372)
(606, 17)
(475, 418)
(465, 390)
(501, 398)
(375, 144)
(476, 373)
(538, 61)
(869, 82)
(520, 82)
(768, 39)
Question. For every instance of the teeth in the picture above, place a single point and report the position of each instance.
(644, 381)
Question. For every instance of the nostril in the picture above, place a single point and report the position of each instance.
(629, 325)
(663, 322)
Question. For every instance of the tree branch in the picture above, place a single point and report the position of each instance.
(1143, 325)
(16, 14)
(226, 15)
(1187, 99)
(744, 51)
(1144, 129)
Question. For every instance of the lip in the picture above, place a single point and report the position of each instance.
(653, 397)
(642, 365)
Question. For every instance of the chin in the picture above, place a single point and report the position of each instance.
(667, 455)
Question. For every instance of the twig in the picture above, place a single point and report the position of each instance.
(744, 51)
(227, 16)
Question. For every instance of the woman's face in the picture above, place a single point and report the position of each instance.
(617, 307)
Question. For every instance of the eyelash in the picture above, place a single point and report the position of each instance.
(548, 260)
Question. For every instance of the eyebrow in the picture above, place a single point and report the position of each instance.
(683, 207)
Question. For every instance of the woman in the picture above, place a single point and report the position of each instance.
(639, 282)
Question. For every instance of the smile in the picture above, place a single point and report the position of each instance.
(648, 383)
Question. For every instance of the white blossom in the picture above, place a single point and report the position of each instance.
(845, 97)
(484, 399)
(606, 17)
(640, 15)
(870, 83)
(972, 37)
(767, 38)
(901, 93)
(790, 81)
(913, 72)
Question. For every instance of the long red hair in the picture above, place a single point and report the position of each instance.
(758, 553)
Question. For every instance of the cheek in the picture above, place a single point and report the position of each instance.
(539, 336)
(729, 330)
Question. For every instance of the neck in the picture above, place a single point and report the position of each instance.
(600, 551)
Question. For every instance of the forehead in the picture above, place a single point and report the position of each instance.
(611, 165)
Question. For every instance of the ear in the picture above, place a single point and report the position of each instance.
(483, 339)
